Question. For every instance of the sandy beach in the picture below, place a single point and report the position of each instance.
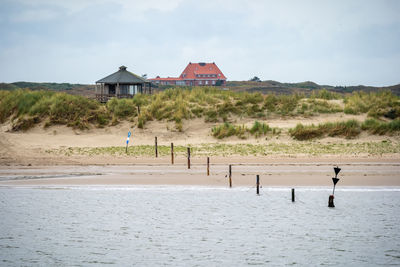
(25, 159)
(278, 173)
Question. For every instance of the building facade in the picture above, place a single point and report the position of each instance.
(195, 74)
(121, 84)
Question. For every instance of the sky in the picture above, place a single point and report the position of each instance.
(336, 42)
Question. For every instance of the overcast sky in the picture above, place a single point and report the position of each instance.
(80, 41)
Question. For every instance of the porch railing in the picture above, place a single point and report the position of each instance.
(105, 97)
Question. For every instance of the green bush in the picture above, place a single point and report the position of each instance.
(347, 129)
(258, 129)
(380, 127)
(227, 129)
(375, 104)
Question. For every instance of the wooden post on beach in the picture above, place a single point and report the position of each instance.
(156, 147)
(172, 153)
(208, 166)
(258, 184)
(230, 175)
(188, 157)
(292, 194)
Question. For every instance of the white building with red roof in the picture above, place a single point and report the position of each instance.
(195, 74)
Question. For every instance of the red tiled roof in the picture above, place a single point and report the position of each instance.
(193, 69)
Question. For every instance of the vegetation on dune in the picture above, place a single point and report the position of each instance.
(258, 129)
(381, 127)
(27, 108)
(380, 104)
(347, 129)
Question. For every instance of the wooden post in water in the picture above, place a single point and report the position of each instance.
(208, 166)
(188, 157)
(156, 147)
(230, 175)
(258, 184)
(172, 153)
(292, 194)
(330, 202)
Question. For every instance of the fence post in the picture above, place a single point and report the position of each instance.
(258, 184)
(208, 166)
(156, 147)
(188, 157)
(292, 194)
(230, 175)
(172, 153)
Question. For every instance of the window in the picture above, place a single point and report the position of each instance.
(213, 82)
(206, 82)
(200, 82)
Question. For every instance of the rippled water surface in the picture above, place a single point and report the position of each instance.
(196, 226)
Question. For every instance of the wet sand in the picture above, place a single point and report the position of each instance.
(274, 173)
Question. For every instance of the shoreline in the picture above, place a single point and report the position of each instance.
(277, 173)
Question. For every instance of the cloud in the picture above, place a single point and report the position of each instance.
(334, 42)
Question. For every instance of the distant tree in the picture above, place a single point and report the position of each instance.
(255, 79)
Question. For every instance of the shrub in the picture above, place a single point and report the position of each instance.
(380, 127)
(301, 132)
(227, 129)
(348, 129)
(325, 94)
(258, 129)
(375, 104)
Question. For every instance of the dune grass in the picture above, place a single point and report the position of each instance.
(378, 104)
(348, 129)
(27, 108)
(258, 129)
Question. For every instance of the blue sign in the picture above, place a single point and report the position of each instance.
(127, 139)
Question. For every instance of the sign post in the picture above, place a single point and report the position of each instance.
(127, 142)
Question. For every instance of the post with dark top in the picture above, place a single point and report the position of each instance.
(258, 184)
(208, 166)
(156, 147)
(292, 194)
(172, 153)
(334, 180)
(230, 175)
(188, 157)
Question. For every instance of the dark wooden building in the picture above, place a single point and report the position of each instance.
(121, 84)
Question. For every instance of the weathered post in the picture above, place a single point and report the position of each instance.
(138, 110)
(230, 175)
(208, 166)
(172, 153)
(156, 147)
(258, 184)
(292, 194)
(188, 157)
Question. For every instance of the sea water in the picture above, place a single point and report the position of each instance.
(198, 226)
